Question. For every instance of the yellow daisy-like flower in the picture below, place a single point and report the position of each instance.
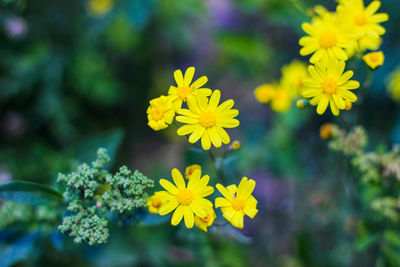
(206, 119)
(327, 39)
(265, 93)
(394, 84)
(292, 77)
(374, 59)
(237, 201)
(328, 84)
(186, 89)
(186, 200)
(364, 21)
(204, 222)
(100, 7)
(190, 169)
(154, 203)
(160, 113)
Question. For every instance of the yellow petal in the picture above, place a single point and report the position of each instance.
(177, 216)
(178, 178)
(168, 186)
(168, 207)
(188, 76)
(178, 77)
(189, 217)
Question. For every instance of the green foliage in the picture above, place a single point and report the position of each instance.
(93, 194)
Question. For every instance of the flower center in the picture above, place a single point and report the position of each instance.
(185, 197)
(328, 39)
(238, 204)
(329, 86)
(157, 113)
(205, 219)
(184, 91)
(156, 202)
(374, 57)
(300, 82)
(207, 119)
(360, 19)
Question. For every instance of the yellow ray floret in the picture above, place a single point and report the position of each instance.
(327, 39)
(206, 119)
(185, 89)
(374, 59)
(204, 222)
(186, 201)
(328, 85)
(160, 113)
(237, 201)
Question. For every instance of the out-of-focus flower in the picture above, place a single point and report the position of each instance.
(206, 119)
(237, 201)
(5, 177)
(326, 130)
(328, 84)
(292, 77)
(236, 145)
(351, 143)
(185, 89)
(348, 105)
(100, 7)
(264, 93)
(327, 39)
(394, 84)
(154, 203)
(15, 27)
(190, 169)
(204, 222)
(374, 59)
(364, 21)
(160, 113)
(300, 104)
(185, 200)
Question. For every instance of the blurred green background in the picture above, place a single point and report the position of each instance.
(77, 75)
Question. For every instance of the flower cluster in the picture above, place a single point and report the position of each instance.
(333, 38)
(205, 118)
(93, 194)
(281, 95)
(189, 202)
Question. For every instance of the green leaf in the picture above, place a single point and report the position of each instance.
(29, 192)
(392, 237)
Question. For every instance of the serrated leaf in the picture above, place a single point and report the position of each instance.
(29, 192)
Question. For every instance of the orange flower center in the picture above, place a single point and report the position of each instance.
(185, 197)
(156, 202)
(360, 19)
(206, 219)
(329, 86)
(374, 57)
(328, 39)
(300, 82)
(238, 204)
(157, 113)
(183, 92)
(207, 119)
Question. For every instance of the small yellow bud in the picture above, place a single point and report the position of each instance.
(348, 105)
(374, 59)
(326, 131)
(236, 145)
(300, 104)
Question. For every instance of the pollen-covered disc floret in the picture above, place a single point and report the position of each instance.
(206, 119)
(328, 85)
(160, 113)
(185, 89)
(237, 201)
(186, 201)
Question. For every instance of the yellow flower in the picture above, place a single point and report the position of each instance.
(100, 7)
(206, 119)
(364, 21)
(204, 222)
(160, 113)
(328, 84)
(186, 89)
(154, 203)
(300, 104)
(292, 77)
(264, 93)
(394, 84)
(282, 100)
(236, 145)
(348, 105)
(374, 59)
(190, 169)
(327, 39)
(326, 130)
(186, 200)
(237, 201)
